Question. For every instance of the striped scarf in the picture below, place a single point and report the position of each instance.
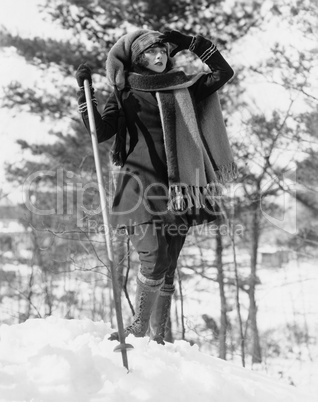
(199, 157)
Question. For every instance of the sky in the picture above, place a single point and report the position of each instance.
(27, 21)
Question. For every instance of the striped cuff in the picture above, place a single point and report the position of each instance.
(208, 53)
(83, 89)
(150, 284)
(192, 44)
(167, 290)
(82, 108)
(202, 47)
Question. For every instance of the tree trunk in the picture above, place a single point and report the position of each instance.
(256, 348)
(168, 335)
(220, 278)
(30, 294)
(127, 277)
(181, 305)
(120, 248)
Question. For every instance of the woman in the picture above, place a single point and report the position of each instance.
(173, 151)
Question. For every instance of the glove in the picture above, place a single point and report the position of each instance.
(177, 38)
(83, 73)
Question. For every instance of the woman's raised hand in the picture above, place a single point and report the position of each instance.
(177, 38)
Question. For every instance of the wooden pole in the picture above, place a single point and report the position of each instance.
(108, 241)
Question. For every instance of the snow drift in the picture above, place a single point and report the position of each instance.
(58, 360)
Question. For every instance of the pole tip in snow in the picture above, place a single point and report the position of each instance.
(123, 346)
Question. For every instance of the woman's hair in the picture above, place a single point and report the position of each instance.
(140, 64)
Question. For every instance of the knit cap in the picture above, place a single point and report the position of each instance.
(143, 42)
(124, 51)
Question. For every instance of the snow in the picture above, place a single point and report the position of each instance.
(54, 359)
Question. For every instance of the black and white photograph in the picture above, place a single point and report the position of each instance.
(158, 200)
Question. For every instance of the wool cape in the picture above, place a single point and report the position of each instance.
(198, 153)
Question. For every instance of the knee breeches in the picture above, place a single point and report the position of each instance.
(158, 247)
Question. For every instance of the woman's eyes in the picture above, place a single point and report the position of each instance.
(151, 51)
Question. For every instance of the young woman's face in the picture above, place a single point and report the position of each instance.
(155, 59)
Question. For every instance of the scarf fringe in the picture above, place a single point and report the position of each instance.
(183, 197)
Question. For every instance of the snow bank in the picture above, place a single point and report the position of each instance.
(57, 360)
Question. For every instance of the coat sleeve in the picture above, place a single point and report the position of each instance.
(107, 122)
(221, 71)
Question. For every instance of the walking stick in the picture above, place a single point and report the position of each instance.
(123, 347)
